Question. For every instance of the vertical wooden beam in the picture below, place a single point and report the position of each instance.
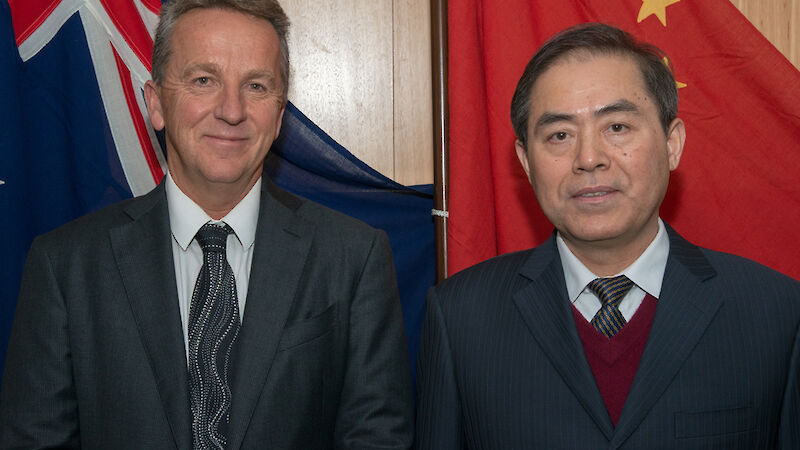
(440, 131)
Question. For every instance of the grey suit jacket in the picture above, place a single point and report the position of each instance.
(501, 365)
(96, 357)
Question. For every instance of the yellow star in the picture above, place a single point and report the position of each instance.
(657, 7)
(667, 63)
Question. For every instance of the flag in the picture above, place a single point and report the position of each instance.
(76, 137)
(75, 67)
(736, 188)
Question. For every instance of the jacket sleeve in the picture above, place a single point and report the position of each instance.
(789, 433)
(438, 422)
(376, 408)
(38, 407)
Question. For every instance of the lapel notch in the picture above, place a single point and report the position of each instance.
(282, 243)
(685, 309)
(545, 308)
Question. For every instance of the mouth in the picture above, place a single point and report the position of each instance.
(223, 137)
(226, 140)
(594, 194)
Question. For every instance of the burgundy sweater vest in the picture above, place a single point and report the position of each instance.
(614, 361)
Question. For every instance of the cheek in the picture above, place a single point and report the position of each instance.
(548, 174)
(191, 109)
(649, 177)
(269, 114)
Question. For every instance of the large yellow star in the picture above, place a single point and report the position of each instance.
(657, 7)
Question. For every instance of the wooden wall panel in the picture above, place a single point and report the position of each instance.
(341, 57)
(413, 110)
(361, 71)
(778, 21)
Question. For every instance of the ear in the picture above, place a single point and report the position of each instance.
(280, 122)
(676, 136)
(522, 155)
(152, 98)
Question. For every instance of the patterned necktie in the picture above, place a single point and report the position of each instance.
(213, 328)
(609, 320)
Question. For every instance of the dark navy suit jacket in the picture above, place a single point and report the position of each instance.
(501, 365)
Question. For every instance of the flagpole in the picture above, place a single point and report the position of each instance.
(440, 131)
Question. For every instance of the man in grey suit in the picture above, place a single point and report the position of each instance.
(616, 333)
(217, 311)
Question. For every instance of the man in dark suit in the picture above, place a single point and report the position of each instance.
(616, 332)
(217, 311)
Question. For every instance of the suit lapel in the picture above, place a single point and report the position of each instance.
(281, 248)
(143, 252)
(545, 309)
(685, 309)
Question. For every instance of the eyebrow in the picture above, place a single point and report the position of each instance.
(621, 105)
(263, 74)
(618, 106)
(548, 118)
(199, 67)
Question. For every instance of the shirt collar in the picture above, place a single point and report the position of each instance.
(186, 217)
(647, 271)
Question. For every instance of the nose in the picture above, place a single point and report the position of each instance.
(231, 107)
(590, 154)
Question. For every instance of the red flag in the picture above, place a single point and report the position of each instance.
(737, 188)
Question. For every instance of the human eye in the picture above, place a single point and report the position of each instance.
(256, 87)
(558, 136)
(617, 127)
(202, 80)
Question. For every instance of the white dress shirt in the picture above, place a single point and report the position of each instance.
(647, 273)
(185, 218)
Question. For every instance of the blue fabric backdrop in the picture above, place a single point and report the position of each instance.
(58, 162)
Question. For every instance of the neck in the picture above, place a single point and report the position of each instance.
(216, 200)
(607, 258)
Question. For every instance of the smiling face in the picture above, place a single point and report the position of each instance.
(220, 101)
(597, 155)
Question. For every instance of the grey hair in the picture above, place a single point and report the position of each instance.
(269, 10)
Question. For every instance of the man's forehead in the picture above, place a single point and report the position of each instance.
(190, 45)
(580, 63)
(186, 25)
(585, 84)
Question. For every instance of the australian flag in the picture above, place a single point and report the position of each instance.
(75, 137)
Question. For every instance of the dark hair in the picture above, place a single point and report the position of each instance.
(269, 10)
(593, 39)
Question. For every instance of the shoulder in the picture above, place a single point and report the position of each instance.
(331, 229)
(92, 229)
(725, 270)
(743, 273)
(487, 274)
(749, 291)
(483, 289)
(509, 271)
(753, 295)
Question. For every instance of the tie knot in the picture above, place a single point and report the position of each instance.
(213, 237)
(611, 290)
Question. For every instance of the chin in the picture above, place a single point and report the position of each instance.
(596, 233)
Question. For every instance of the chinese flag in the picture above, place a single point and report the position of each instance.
(737, 188)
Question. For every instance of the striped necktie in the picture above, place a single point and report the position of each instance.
(609, 320)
